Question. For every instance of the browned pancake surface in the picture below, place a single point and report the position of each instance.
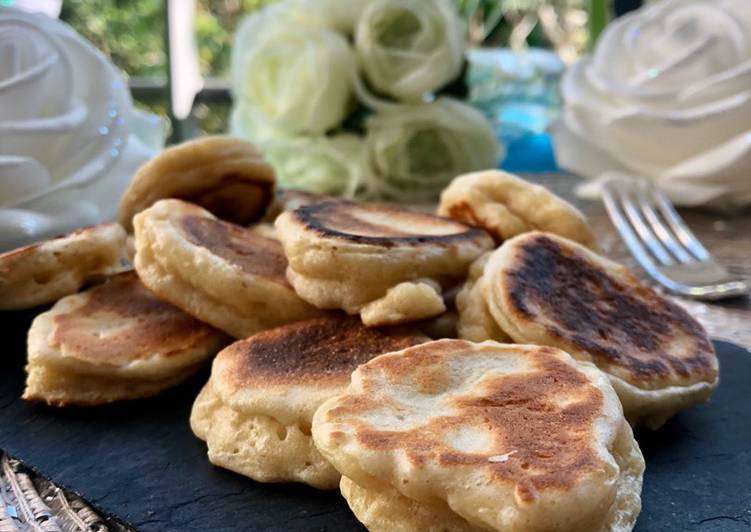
(18, 253)
(465, 213)
(321, 350)
(122, 321)
(10, 257)
(539, 423)
(241, 247)
(383, 225)
(234, 197)
(626, 326)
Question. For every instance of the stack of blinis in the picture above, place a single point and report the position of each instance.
(478, 369)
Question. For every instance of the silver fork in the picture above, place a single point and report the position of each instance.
(662, 243)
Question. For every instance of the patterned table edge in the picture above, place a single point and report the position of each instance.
(31, 502)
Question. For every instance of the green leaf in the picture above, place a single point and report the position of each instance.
(599, 16)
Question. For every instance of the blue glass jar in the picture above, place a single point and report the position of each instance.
(518, 93)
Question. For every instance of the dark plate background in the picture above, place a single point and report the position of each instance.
(140, 462)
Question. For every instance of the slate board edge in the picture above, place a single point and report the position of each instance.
(738, 350)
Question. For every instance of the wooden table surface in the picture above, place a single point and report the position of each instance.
(728, 237)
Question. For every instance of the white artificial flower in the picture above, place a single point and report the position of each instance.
(414, 151)
(291, 76)
(246, 122)
(70, 139)
(409, 48)
(324, 165)
(666, 95)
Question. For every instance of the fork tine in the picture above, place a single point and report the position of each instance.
(630, 238)
(659, 227)
(704, 279)
(676, 223)
(641, 227)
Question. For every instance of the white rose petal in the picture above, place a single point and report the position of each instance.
(294, 78)
(70, 139)
(415, 150)
(246, 122)
(666, 95)
(409, 48)
(324, 165)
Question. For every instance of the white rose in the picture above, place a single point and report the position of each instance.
(294, 78)
(70, 140)
(324, 165)
(666, 95)
(415, 150)
(246, 122)
(409, 48)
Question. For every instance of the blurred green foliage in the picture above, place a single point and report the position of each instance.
(492, 22)
(216, 22)
(132, 32)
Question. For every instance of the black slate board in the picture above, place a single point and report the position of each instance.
(139, 461)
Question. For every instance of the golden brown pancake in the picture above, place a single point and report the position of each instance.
(223, 274)
(248, 251)
(321, 352)
(152, 327)
(46, 271)
(371, 223)
(506, 205)
(114, 341)
(385, 263)
(548, 290)
(507, 437)
(227, 176)
(255, 411)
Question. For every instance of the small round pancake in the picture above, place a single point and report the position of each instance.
(475, 323)
(221, 273)
(46, 271)
(112, 342)
(255, 412)
(345, 255)
(227, 176)
(506, 205)
(504, 437)
(548, 290)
